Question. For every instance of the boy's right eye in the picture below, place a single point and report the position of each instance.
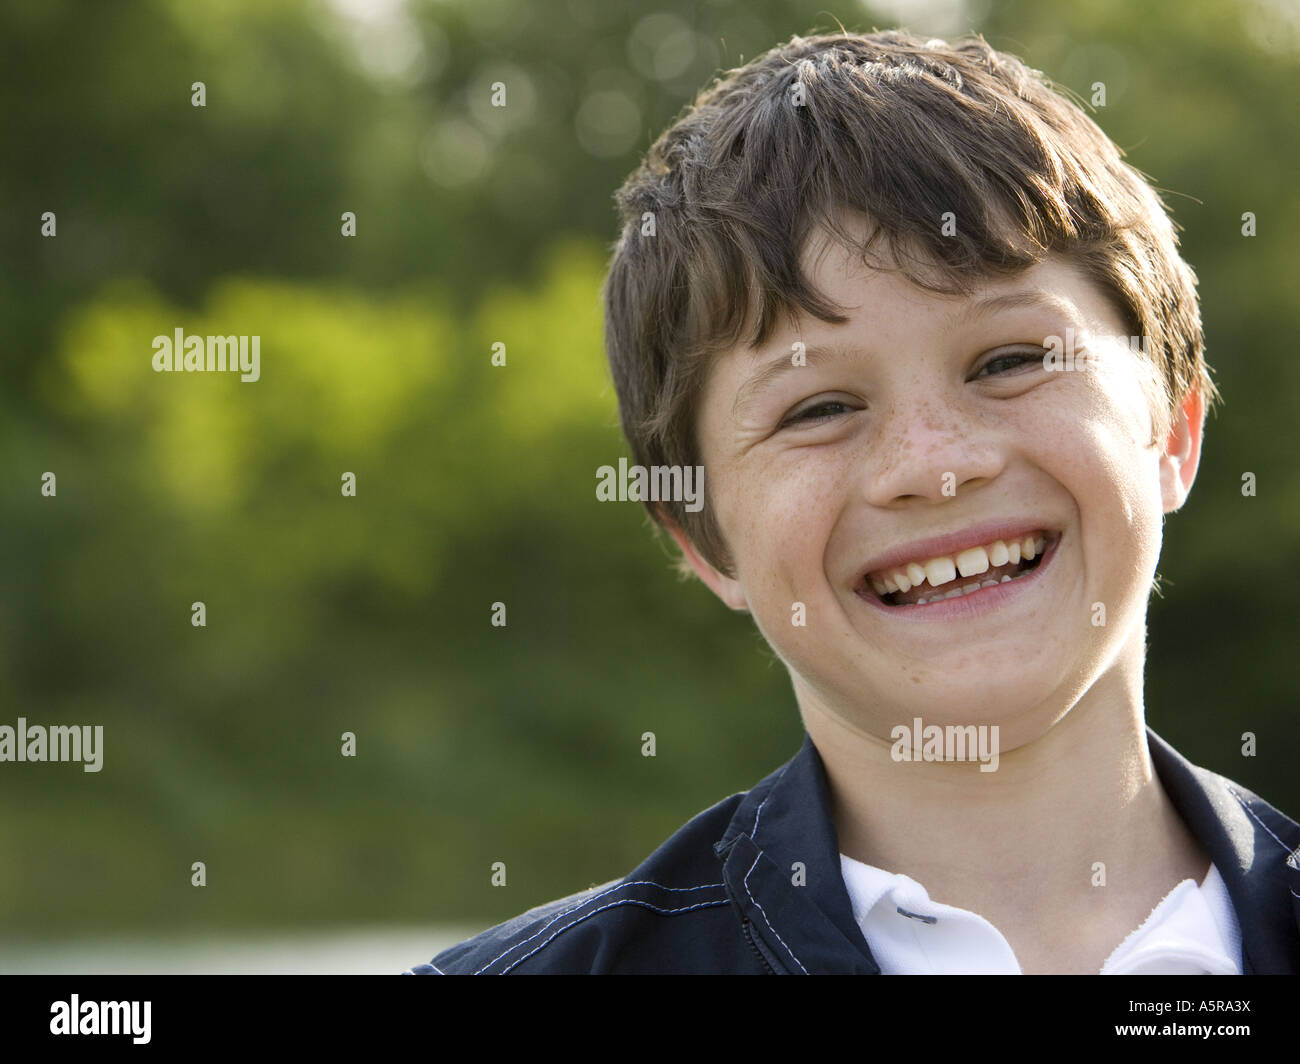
(827, 408)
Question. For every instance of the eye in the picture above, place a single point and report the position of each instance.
(1012, 361)
(817, 412)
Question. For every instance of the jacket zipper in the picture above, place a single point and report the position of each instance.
(744, 926)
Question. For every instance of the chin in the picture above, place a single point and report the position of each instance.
(971, 701)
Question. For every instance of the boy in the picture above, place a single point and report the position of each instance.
(934, 345)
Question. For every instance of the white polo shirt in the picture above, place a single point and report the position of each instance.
(1193, 931)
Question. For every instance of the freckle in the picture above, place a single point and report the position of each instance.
(916, 679)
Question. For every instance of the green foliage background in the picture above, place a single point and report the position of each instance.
(325, 615)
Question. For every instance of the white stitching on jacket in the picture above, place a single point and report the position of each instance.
(646, 882)
(1246, 806)
(759, 811)
(594, 897)
(611, 905)
(764, 915)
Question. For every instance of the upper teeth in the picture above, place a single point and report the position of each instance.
(944, 568)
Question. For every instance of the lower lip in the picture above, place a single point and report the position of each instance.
(976, 604)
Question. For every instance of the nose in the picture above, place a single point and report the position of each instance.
(928, 451)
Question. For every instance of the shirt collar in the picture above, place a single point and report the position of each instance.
(1182, 936)
(1192, 931)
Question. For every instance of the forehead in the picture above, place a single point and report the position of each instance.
(887, 310)
(878, 289)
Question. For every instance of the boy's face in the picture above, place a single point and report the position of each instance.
(922, 423)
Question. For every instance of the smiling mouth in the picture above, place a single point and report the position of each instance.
(948, 576)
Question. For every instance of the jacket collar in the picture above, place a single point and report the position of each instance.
(1255, 848)
(782, 832)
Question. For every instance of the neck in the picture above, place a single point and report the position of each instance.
(1020, 845)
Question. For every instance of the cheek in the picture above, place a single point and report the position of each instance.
(1099, 451)
(784, 516)
(1121, 421)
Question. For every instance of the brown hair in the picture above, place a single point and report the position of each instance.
(902, 130)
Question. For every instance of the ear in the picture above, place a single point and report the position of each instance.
(1182, 451)
(725, 587)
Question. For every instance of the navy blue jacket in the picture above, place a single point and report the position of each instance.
(719, 896)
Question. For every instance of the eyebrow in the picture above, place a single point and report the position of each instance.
(777, 367)
(1029, 298)
(1033, 298)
